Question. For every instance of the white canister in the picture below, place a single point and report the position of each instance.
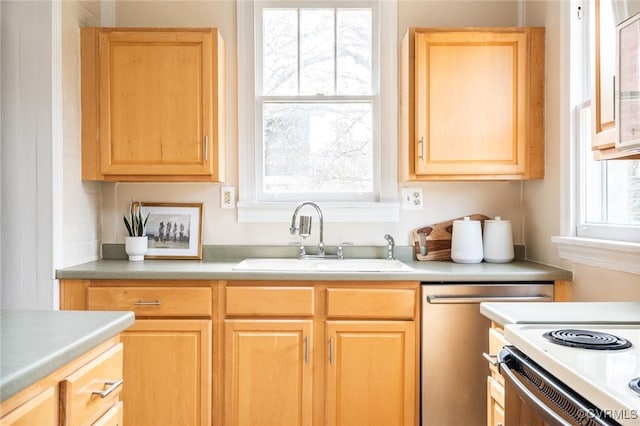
(498, 241)
(466, 241)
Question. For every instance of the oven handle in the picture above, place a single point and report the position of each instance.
(434, 300)
(529, 396)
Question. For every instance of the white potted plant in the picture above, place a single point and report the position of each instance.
(136, 243)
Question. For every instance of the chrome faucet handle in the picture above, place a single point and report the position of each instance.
(390, 245)
(340, 251)
(301, 250)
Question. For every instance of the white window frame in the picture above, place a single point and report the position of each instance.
(595, 245)
(386, 208)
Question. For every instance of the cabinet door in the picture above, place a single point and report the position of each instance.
(372, 373)
(604, 60)
(268, 364)
(167, 373)
(478, 106)
(158, 112)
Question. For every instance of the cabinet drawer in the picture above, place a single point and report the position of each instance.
(496, 391)
(40, 410)
(92, 389)
(152, 301)
(269, 301)
(113, 417)
(496, 341)
(371, 303)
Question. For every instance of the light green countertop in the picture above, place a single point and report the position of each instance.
(427, 271)
(563, 312)
(34, 344)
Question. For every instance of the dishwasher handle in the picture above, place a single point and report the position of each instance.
(436, 300)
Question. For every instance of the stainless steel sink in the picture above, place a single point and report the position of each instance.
(322, 265)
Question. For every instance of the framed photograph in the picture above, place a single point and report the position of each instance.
(174, 230)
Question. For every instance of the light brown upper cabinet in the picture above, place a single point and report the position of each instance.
(152, 104)
(473, 104)
(603, 64)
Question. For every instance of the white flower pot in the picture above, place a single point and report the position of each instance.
(136, 247)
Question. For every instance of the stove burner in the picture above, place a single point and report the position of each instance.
(634, 385)
(586, 339)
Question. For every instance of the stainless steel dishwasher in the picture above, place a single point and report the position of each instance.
(454, 337)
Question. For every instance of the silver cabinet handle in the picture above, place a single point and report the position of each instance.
(112, 387)
(331, 344)
(206, 148)
(478, 299)
(614, 97)
(493, 359)
(421, 143)
(147, 303)
(306, 349)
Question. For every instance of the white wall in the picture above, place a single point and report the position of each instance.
(82, 219)
(29, 51)
(50, 218)
(443, 201)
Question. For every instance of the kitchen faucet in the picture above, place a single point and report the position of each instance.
(304, 228)
(390, 245)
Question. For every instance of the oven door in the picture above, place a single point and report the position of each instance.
(533, 396)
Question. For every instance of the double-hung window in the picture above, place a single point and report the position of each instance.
(605, 228)
(314, 123)
(609, 191)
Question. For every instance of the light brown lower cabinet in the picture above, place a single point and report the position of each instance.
(495, 402)
(371, 373)
(269, 372)
(264, 352)
(66, 398)
(167, 368)
(167, 352)
(495, 382)
(323, 353)
(41, 409)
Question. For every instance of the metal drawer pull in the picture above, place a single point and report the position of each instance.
(112, 386)
(147, 303)
(421, 143)
(306, 349)
(493, 359)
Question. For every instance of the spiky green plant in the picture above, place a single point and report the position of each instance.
(136, 224)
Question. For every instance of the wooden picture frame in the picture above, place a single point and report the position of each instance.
(174, 230)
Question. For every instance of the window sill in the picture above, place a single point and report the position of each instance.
(332, 212)
(615, 255)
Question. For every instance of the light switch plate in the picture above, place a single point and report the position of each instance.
(228, 197)
(412, 199)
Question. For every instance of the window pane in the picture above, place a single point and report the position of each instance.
(318, 147)
(623, 192)
(280, 52)
(611, 188)
(354, 51)
(317, 41)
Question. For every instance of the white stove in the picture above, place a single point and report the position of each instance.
(600, 376)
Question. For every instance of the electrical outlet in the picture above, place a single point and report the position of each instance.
(228, 197)
(412, 199)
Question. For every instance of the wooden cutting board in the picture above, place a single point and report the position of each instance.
(437, 239)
